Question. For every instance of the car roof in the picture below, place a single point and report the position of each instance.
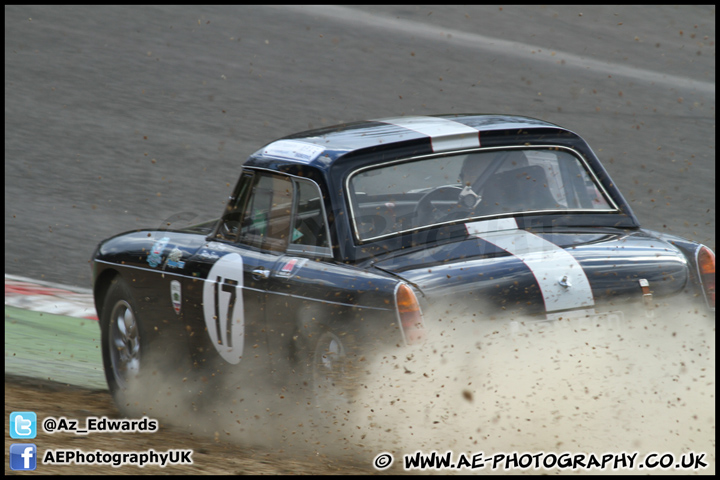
(329, 155)
(324, 147)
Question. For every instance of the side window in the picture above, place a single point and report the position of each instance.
(266, 218)
(310, 232)
(230, 224)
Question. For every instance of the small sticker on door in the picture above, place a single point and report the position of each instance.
(291, 267)
(176, 295)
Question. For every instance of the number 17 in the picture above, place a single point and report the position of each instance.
(229, 286)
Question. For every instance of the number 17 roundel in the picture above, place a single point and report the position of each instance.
(223, 307)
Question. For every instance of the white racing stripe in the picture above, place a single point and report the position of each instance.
(492, 225)
(444, 134)
(551, 265)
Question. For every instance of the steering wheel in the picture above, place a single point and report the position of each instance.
(425, 212)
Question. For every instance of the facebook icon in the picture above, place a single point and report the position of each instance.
(23, 456)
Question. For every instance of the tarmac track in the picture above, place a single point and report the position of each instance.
(119, 118)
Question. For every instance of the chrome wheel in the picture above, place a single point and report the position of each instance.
(124, 344)
(332, 381)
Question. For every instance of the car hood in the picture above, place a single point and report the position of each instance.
(151, 248)
(535, 272)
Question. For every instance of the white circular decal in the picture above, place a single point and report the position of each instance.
(223, 307)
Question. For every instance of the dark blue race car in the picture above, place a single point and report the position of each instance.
(336, 242)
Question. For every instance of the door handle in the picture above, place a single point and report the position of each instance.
(261, 274)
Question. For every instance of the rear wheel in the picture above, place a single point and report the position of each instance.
(335, 377)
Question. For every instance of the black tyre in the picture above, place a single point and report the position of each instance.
(334, 377)
(139, 359)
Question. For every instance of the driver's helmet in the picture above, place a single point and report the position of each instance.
(474, 164)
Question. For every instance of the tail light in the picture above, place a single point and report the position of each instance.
(706, 271)
(409, 314)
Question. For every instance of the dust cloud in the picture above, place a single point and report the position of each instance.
(575, 385)
(639, 384)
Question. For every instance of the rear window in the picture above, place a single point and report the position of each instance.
(407, 195)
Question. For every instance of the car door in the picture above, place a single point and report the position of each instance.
(304, 275)
(237, 263)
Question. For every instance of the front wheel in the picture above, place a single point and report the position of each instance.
(139, 359)
(124, 341)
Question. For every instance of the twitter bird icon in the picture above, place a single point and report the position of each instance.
(23, 425)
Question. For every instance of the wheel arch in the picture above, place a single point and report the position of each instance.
(101, 287)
